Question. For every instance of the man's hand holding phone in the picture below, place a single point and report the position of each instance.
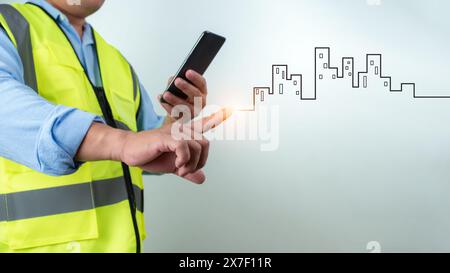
(195, 87)
(189, 85)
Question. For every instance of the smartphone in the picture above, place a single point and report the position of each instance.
(200, 57)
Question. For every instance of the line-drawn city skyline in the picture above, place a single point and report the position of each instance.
(323, 70)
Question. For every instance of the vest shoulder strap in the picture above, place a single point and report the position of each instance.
(5, 28)
(18, 27)
(102, 44)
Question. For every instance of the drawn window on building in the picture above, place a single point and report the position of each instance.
(376, 70)
(325, 65)
(347, 68)
(372, 62)
(283, 75)
(298, 93)
(295, 82)
(281, 88)
(334, 76)
(320, 77)
(350, 74)
(262, 95)
(365, 81)
(257, 91)
(348, 62)
(386, 84)
(278, 70)
(321, 55)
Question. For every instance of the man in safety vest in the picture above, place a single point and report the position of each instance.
(77, 129)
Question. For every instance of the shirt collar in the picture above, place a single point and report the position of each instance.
(88, 35)
(62, 19)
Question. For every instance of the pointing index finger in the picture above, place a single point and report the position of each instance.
(210, 122)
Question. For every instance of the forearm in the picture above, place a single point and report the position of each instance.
(102, 142)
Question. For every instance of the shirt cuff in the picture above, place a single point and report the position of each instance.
(60, 139)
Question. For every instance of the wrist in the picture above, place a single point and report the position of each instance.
(118, 141)
(103, 142)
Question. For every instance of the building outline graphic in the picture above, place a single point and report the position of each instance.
(281, 79)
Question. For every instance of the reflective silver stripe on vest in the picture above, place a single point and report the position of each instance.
(66, 199)
(20, 29)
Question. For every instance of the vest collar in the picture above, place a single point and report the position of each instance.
(52, 11)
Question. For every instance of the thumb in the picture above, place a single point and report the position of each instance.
(197, 177)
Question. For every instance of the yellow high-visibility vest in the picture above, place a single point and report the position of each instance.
(99, 208)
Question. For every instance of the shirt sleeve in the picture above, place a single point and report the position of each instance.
(147, 119)
(34, 132)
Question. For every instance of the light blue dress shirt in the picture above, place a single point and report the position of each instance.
(38, 134)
